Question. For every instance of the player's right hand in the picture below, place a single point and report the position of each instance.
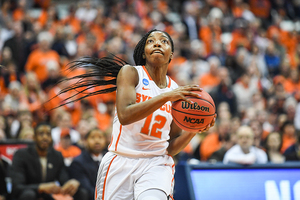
(182, 92)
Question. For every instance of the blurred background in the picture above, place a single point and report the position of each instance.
(245, 53)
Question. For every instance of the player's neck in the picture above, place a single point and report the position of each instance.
(158, 75)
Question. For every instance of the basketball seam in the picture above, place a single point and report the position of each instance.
(190, 113)
(204, 100)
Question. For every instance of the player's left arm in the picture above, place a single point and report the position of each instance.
(180, 139)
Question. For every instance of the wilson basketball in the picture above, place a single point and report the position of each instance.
(195, 116)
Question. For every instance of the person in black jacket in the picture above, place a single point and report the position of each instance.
(38, 171)
(17, 44)
(3, 173)
(85, 166)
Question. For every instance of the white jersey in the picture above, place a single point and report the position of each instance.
(147, 137)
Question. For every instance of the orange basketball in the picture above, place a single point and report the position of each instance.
(196, 116)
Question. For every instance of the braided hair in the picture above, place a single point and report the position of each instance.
(102, 72)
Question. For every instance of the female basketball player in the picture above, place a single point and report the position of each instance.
(139, 164)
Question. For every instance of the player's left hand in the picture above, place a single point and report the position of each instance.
(209, 125)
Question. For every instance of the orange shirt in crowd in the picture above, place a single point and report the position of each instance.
(54, 101)
(237, 11)
(272, 31)
(71, 151)
(104, 120)
(238, 39)
(291, 87)
(37, 61)
(43, 3)
(208, 36)
(174, 66)
(260, 8)
(209, 145)
(3, 88)
(43, 18)
(208, 80)
(18, 14)
(287, 141)
(73, 22)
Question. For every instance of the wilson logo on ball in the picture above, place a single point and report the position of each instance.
(193, 120)
(194, 106)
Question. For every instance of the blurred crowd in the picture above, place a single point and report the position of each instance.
(245, 53)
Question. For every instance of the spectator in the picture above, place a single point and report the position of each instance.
(24, 120)
(292, 83)
(26, 134)
(83, 128)
(191, 9)
(211, 79)
(2, 135)
(272, 59)
(37, 59)
(214, 140)
(64, 122)
(244, 89)
(54, 75)
(35, 96)
(244, 152)
(59, 42)
(15, 97)
(38, 171)
(196, 65)
(84, 168)
(4, 126)
(66, 148)
(297, 117)
(8, 75)
(239, 36)
(258, 59)
(293, 152)
(288, 136)
(56, 99)
(218, 156)
(3, 174)
(17, 46)
(257, 129)
(223, 92)
(273, 146)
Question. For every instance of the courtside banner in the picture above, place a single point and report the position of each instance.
(257, 182)
(9, 147)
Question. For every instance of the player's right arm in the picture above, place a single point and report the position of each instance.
(128, 110)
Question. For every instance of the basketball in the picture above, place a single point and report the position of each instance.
(196, 116)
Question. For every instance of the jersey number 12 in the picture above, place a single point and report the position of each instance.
(159, 122)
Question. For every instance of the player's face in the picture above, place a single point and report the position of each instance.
(96, 142)
(43, 137)
(158, 48)
(245, 139)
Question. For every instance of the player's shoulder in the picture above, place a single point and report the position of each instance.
(174, 85)
(128, 70)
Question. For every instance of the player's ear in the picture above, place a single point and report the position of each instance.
(143, 56)
(171, 57)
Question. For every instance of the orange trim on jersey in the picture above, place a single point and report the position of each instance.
(169, 85)
(95, 192)
(118, 137)
(106, 177)
(147, 73)
(112, 139)
(171, 197)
